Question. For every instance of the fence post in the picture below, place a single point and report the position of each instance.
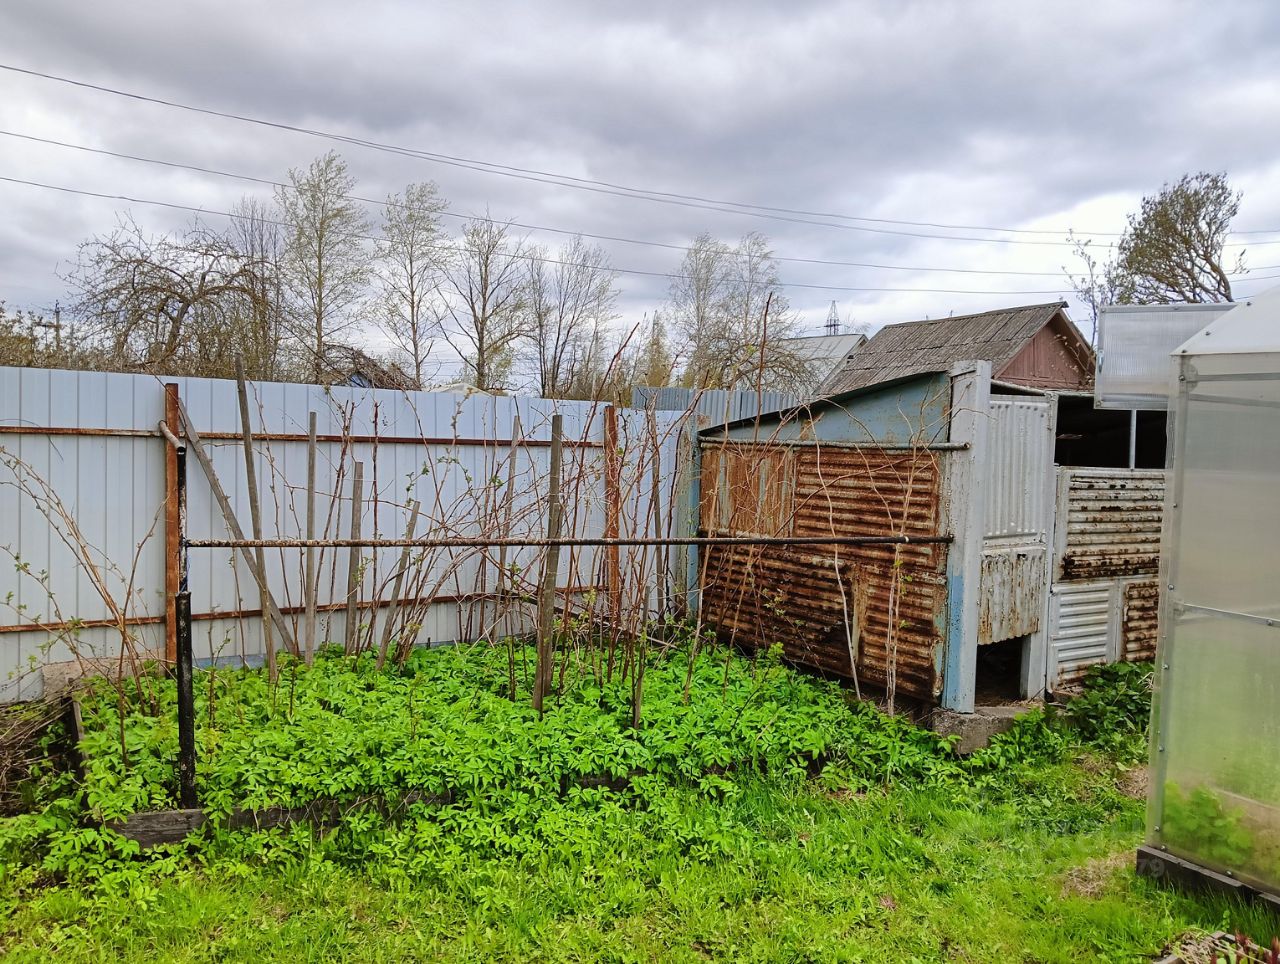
(186, 704)
(172, 527)
(550, 573)
(612, 498)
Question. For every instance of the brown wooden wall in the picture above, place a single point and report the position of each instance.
(802, 597)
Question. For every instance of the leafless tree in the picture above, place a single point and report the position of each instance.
(485, 297)
(257, 236)
(570, 300)
(162, 303)
(717, 306)
(327, 260)
(409, 272)
(1093, 281)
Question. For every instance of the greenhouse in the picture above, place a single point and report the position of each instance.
(1215, 797)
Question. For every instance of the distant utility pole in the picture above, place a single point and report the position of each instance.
(833, 320)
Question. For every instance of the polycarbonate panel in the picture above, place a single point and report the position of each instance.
(1134, 347)
(1216, 776)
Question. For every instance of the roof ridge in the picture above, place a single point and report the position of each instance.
(972, 314)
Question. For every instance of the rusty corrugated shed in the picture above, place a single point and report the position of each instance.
(894, 596)
(937, 344)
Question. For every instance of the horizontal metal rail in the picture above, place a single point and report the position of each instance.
(350, 439)
(715, 442)
(536, 542)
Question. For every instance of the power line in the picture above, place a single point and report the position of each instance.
(517, 255)
(533, 227)
(595, 186)
(177, 165)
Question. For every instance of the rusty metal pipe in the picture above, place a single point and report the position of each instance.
(537, 542)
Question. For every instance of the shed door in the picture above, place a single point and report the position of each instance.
(1019, 497)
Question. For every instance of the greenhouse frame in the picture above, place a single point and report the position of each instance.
(1214, 802)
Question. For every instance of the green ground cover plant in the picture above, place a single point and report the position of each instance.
(768, 816)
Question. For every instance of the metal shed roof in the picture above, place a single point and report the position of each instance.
(936, 344)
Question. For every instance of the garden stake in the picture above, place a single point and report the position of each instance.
(353, 562)
(550, 569)
(309, 587)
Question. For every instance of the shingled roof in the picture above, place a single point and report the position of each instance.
(936, 344)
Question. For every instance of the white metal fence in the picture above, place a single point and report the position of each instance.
(82, 495)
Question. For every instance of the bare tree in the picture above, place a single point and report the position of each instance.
(1096, 282)
(327, 261)
(1172, 249)
(570, 300)
(484, 283)
(257, 236)
(162, 303)
(718, 308)
(409, 272)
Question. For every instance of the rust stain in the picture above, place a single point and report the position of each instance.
(1141, 620)
(1112, 527)
(1012, 599)
(806, 598)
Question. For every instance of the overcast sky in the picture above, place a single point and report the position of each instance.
(1038, 116)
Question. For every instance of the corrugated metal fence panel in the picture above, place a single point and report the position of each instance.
(1020, 453)
(713, 406)
(885, 604)
(1083, 619)
(107, 493)
(1109, 523)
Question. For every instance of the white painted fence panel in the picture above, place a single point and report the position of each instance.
(452, 453)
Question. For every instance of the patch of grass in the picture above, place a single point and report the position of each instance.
(735, 845)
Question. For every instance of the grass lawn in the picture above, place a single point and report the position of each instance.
(775, 822)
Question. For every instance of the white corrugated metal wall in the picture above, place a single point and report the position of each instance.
(110, 490)
(1018, 494)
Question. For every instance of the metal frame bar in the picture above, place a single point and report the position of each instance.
(538, 542)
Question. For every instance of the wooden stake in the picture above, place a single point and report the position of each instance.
(397, 583)
(503, 601)
(550, 573)
(309, 587)
(255, 513)
(229, 516)
(353, 562)
(612, 498)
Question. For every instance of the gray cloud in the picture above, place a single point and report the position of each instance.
(987, 113)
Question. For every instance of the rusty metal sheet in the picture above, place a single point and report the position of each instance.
(1140, 620)
(893, 597)
(1109, 524)
(1013, 587)
(747, 490)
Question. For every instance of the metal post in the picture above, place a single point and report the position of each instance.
(1133, 439)
(186, 706)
